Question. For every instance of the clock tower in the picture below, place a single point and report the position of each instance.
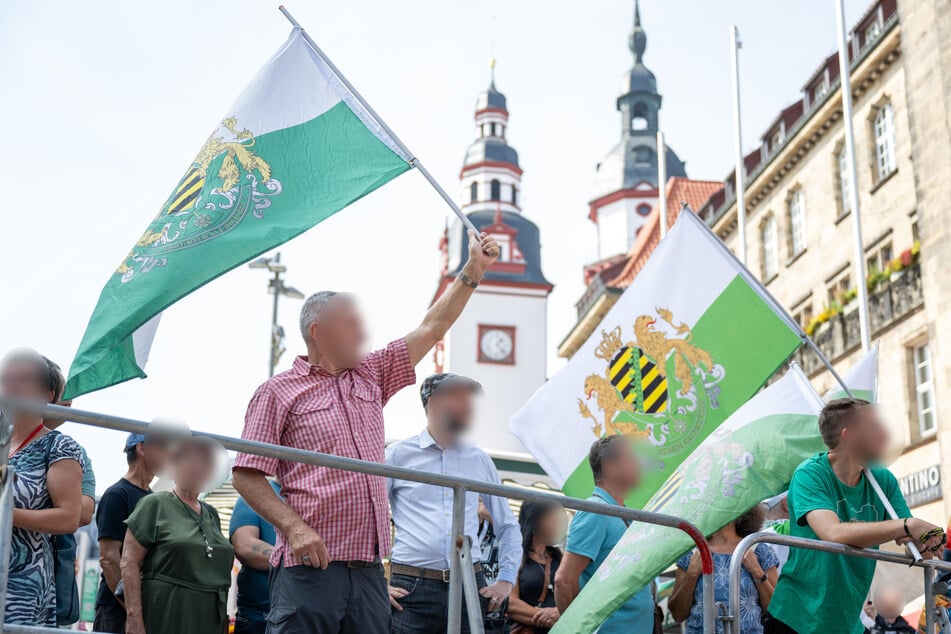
(501, 338)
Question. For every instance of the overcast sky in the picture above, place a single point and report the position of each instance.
(104, 104)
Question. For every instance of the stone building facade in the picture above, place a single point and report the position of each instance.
(799, 227)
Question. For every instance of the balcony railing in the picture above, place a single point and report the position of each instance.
(887, 304)
(591, 294)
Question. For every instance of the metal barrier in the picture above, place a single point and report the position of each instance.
(458, 485)
(730, 618)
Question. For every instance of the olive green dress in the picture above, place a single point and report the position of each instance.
(183, 589)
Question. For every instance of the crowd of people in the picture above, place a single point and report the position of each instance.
(312, 541)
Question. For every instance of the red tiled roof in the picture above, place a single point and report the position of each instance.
(679, 190)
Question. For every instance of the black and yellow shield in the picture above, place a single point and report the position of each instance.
(638, 380)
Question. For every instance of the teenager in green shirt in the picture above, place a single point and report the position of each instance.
(830, 499)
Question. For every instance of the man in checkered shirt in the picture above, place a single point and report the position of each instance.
(333, 526)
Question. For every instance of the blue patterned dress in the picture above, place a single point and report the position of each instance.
(751, 613)
(31, 591)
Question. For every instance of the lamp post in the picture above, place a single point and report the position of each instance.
(277, 288)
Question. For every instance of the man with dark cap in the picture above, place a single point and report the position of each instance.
(419, 579)
(145, 459)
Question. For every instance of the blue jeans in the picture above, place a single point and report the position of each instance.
(244, 625)
(426, 607)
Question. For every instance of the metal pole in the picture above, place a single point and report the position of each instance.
(276, 288)
(411, 159)
(736, 560)
(455, 573)
(662, 182)
(739, 169)
(845, 87)
(470, 587)
(929, 599)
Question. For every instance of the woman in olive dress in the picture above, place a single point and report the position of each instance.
(176, 563)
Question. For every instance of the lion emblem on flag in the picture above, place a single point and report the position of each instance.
(659, 386)
(225, 183)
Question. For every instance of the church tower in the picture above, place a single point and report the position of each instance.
(501, 338)
(625, 189)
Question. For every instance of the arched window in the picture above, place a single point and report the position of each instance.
(495, 190)
(795, 210)
(473, 192)
(884, 128)
(639, 118)
(514, 195)
(643, 210)
(492, 129)
(643, 154)
(769, 249)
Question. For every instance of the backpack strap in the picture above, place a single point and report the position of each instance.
(547, 580)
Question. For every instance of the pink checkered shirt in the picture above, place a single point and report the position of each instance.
(309, 408)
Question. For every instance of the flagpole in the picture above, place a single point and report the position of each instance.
(739, 166)
(413, 161)
(781, 311)
(845, 87)
(662, 182)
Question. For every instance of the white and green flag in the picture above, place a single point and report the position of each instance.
(862, 379)
(293, 149)
(747, 459)
(690, 340)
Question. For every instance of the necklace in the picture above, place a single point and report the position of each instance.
(197, 517)
(27, 440)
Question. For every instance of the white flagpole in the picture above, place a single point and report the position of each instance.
(845, 87)
(739, 171)
(662, 182)
(780, 310)
(413, 161)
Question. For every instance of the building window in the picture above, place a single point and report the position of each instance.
(872, 31)
(924, 389)
(514, 196)
(492, 129)
(879, 259)
(845, 181)
(770, 250)
(821, 89)
(495, 190)
(639, 120)
(837, 288)
(643, 210)
(795, 208)
(474, 191)
(884, 132)
(776, 140)
(803, 316)
(642, 154)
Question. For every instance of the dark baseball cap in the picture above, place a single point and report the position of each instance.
(435, 382)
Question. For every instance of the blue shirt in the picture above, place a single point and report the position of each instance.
(751, 612)
(594, 536)
(253, 589)
(422, 513)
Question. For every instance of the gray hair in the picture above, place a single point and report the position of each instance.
(311, 309)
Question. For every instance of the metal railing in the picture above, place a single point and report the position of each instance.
(458, 485)
(730, 618)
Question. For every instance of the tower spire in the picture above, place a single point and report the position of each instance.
(492, 72)
(638, 40)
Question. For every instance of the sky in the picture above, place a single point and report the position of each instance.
(107, 102)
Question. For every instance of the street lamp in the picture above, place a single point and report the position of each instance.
(277, 288)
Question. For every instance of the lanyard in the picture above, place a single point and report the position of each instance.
(28, 439)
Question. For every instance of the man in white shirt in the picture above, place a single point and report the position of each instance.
(422, 513)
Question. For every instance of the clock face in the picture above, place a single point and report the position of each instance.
(497, 345)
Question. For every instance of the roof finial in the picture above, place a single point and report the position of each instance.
(492, 72)
(638, 39)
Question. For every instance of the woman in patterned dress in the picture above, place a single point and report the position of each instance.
(757, 580)
(47, 496)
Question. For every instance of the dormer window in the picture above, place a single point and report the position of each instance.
(872, 31)
(776, 140)
(821, 89)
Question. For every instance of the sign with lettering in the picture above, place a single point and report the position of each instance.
(921, 487)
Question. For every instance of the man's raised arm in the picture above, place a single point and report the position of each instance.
(448, 307)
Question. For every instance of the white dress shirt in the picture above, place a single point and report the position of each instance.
(423, 512)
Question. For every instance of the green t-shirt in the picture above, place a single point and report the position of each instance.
(822, 592)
